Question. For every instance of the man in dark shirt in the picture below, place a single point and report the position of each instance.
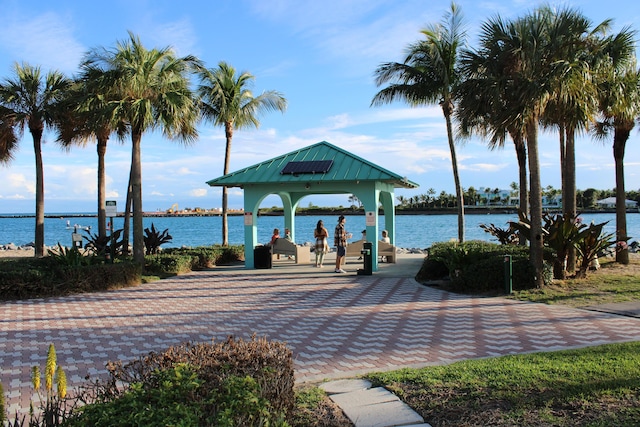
(340, 237)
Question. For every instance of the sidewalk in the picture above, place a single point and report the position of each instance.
(337, 325)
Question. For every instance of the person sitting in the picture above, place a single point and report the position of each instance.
(287, 236)
(274, 237)
(385, 239)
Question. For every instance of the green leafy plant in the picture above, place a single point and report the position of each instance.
(154, 239)
(506, 236)
(105, 245)
(168, 398)
(591, 240)
(70, 257)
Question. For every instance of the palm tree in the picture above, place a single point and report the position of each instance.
(573, 103)
(89, 116)
(152, 91)
(30, 100)
(526, 64)
(481, 104)
(227, 101)
(619, 106)
(428, 75)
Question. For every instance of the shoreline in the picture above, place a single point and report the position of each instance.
(481, 210)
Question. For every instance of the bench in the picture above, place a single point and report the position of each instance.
(384, 249)
(286, 247)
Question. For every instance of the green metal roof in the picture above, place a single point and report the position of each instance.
(346, 167)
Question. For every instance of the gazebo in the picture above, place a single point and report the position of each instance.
(321, 168)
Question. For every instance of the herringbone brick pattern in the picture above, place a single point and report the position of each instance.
(336, 325)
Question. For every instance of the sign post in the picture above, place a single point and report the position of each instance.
(111, 210)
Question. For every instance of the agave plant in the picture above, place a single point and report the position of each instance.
(153, 239)
(590, 242)
(105, 245)
(507, 236)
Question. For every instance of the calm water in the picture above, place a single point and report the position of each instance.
(412, 231)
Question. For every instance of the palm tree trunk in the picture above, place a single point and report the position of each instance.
(569, 190)
(228, 130)
(102, 217)
(535, 202)
(126, 229)
(37, 148)
(521, 153)
(619, 142)
(136, 196)
(447, 108)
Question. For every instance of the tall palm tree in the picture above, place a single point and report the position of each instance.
(482, 101)
(573, 103)
(88, 117)
(30, 100)
(429, 75)
(526, 65)
(226, 100)
(153, 92)
(619, 106)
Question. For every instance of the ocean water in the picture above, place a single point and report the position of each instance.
(412, 231)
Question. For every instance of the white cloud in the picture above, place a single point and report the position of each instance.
(198, 192)
(44, 40)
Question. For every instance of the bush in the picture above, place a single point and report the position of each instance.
(167, 398)
(23, 278)
(478, 266)
(168, 264)
(209, 256)
(248, 383)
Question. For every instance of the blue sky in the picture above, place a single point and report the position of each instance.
(320, 54)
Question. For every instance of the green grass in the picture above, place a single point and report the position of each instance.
(597, 386)
(612, 283)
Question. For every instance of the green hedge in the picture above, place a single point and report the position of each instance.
(479, 266)
(24, 278)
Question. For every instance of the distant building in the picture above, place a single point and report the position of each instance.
(610, 202)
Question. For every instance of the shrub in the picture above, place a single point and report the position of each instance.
(168, 264)
(223, 368)
(167, 398)
(478, 266)
(23, 278)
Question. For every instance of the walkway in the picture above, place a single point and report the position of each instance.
(338, 325)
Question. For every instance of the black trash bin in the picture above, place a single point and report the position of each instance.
(367, 256)
(262, 257)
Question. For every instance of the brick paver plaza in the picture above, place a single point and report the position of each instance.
(336, 325)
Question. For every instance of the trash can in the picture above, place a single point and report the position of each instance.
(262, 257)
(367, 257)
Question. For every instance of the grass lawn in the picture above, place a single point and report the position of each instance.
(596, 386)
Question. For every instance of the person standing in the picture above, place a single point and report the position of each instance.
(321, 234)
(340, 237)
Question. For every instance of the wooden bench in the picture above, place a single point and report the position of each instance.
(384, 249)
(286, 247)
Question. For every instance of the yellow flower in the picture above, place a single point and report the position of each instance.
(35, 377)
(50, 369)
(62, 383)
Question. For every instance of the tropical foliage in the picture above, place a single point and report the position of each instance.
(226, 100)
(30, 99)
(429, 75)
